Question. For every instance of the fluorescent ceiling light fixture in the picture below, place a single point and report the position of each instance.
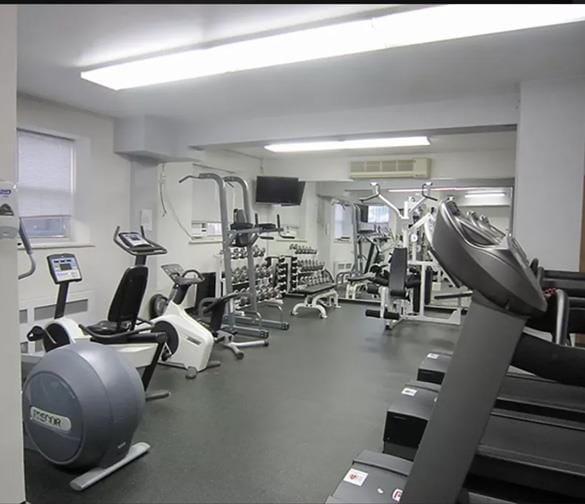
(420, 26)
(433, 189)
(441, 189)
(366, 143)
(485, 194)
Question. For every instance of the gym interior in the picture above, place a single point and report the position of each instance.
(293, 253)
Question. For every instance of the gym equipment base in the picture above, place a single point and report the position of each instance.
(97, 474)
(377, 478)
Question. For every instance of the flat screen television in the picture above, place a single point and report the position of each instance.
(279, 190)
(300, 192)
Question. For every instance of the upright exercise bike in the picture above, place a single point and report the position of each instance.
(141, 346)
(189, 343)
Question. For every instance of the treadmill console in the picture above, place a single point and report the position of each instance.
(134, 240)
(64, 268)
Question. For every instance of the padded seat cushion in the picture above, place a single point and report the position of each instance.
(360, 278)
(316, 289)
(267, 226)
(105, 327)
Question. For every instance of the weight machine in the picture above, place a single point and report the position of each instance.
(412, 237)
(363, 267)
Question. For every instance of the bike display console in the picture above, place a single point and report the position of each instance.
(64, 268)
(133, 240)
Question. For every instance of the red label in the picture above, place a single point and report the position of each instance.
(396, 494)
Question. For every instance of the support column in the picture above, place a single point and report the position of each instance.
(12, 473)
(144, 196)
(550, 162)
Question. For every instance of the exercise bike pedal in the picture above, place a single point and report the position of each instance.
(212, 364)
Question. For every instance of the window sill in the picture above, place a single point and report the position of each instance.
(202, 241)
(290, 240)
(58, 245)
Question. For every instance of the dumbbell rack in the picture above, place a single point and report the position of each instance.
(281, 265)
(264, 274)
(258, 293)
(306, 269)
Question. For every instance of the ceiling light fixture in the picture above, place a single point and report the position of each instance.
(366, 143)
(430, 24)
(485, 194)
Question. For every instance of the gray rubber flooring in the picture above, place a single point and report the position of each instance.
(282, 425)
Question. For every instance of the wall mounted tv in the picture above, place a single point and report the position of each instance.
(279, 190)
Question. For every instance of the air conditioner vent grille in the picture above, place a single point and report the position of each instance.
(391, 168)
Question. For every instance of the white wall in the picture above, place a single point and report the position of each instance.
(12, 473)
(182, 207)
(549, 174)
(102, 181)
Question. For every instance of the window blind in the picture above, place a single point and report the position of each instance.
(45, 175)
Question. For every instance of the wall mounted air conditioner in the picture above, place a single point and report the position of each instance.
(341, 266)
(390, 168)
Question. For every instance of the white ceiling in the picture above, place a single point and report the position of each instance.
(57, 41)
(466, 142)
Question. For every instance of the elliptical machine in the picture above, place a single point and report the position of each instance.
(81, 403)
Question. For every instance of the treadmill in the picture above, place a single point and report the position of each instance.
(517, 448)
(522, 391)
(505, 295)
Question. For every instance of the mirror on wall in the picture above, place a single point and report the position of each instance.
(474, 166)
(362, 229)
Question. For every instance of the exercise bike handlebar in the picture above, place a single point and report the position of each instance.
(28, 249)
(152, 248)
(183, 278)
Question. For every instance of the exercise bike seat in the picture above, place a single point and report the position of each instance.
(108, 327)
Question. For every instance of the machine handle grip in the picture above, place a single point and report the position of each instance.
(24, 238)
(199, 278)
(28, 248)
(426, 191)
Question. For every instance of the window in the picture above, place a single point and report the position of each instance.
(378, 214)
(45, 184)
(205, 229)
(205, 222)
(343, 221)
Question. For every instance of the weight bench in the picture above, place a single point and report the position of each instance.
(357, 283)
(315, 295)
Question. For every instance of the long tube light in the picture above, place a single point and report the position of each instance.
(431, 24)
(366, 143)
(485, 194)
(450, 189)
